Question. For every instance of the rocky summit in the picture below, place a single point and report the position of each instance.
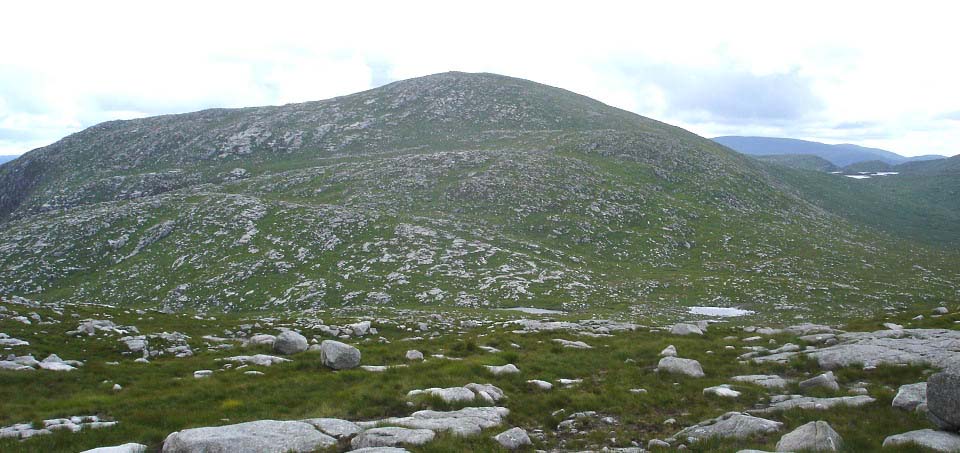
(458, 262)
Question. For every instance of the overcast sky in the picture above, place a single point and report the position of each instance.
(838, 72)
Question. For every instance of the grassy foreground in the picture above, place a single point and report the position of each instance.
(162, 397)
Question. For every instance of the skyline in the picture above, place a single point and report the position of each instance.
(870, 75)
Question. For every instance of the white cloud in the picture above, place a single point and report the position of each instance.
(69, 65)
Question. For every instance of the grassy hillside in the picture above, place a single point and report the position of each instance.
(470, 190)
(799, 161)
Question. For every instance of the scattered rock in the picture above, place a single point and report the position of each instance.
(813, 436)
(572, 344)
(787, 402)
(731, 424)
(911, 396)
(542, 385)
(413, 354)
(722, 390)
(688, 367)
(685, 329)
(502, 369)
(941, 441)
(267, 436)
(943, 399)
(391, 437)
(513, 438)
(339, 356)
(826, 380)
(290, 342)
(770, 381)
(669, 351)
(125, 448)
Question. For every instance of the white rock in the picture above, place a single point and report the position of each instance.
(513, 438)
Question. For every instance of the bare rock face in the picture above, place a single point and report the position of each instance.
(261, 436)
(339, 356)
(943, 399)
(813, 436)
(826, 380)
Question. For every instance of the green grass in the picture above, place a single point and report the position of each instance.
(163, 397)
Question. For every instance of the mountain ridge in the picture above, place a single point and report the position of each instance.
(840, 155)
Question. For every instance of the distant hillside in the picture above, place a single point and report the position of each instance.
(799, 162)
(839, 155)
(869, 165)
(455, 189)
(7, 158)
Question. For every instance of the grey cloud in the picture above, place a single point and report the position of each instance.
(731, 96)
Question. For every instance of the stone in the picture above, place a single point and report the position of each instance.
(290, 342)
(262, 339)
(688, 367)
(380, 450)
(468, 421)
(669, 351)
(513, 438)
(731, 424)
(54, 363)
(572, 344)
(940, 311)
(826, 380)
(258, 359)
(413, 354)
(339, 356)
(787, 402)
(488, 392)
(722, 390)
(542, 385)
(935, 440)
(448, 395)
(813, 436)
(391, 437)
(201, 374)
(335, 427)
(125, 448)
(770, 381)
(911, 397)
(266, 436)
(943, 399)
(685, 329)
(502, 369)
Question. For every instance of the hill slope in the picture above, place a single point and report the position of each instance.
(452, 189)
(839, 155)
(799, 161)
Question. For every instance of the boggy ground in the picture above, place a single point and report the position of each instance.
(162, 396)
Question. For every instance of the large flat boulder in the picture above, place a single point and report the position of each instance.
(263, 436)
(731, 424)
(928, 438)
(391, 437)
(911, 397)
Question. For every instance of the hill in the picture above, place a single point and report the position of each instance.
(472, 190)
(839, 155)
(799, 161)
(4, 159)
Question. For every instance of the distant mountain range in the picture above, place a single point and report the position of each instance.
(839, 155)
(7, 158)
